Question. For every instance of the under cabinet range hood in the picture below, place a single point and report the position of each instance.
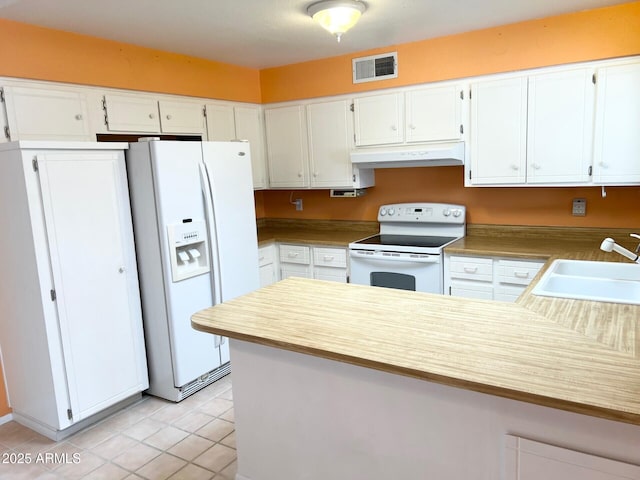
(432, 155)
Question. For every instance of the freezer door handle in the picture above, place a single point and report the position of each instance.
(216, 287)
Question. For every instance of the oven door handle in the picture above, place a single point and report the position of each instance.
(392, 258)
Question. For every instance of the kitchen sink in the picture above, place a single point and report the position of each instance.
(595, 281)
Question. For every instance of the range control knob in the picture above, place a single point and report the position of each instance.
(446, 212)
(391, 211)
(383, 212)
(457, 212)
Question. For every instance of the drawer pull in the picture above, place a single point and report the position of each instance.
(328, 258)
(292, 254)
(260, 259)
(521, 274)
(470, 269)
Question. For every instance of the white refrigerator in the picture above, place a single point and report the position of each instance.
(196, 240)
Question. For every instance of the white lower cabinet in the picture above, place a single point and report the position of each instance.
(268, 264)
(71, 331)
(529, 460)
(488, 278)
(321, 263)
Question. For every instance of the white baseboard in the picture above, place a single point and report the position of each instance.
(6, 418)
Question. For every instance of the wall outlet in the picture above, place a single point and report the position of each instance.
(579, 207)
(298, 203)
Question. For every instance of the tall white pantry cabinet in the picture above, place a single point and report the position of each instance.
(70, 317)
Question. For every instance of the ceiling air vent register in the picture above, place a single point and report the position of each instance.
(375, 67)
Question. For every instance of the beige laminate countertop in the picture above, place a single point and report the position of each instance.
(574, 355)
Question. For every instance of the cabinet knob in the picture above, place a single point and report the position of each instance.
(603, 165)
(412, 126)
(168, 117)
(394, 128)
(152, 116)
(79, 116)
(514, 166)
(121, 270)
(315, 174)
(535, 166)
(300, 174)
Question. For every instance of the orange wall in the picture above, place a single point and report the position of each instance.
(27, 51)
(588, 35)
(508, 206)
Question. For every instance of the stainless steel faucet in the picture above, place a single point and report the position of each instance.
(609, 245)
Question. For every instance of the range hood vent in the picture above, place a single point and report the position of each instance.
(434, 155)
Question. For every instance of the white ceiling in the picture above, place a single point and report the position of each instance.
(267, 33)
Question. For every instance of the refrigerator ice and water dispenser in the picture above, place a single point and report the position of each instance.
(188, 249)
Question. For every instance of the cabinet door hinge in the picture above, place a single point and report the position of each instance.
(354, 178)
(593, 78)
(204, 111)
(461, 129)
(106, 120)
(469, 94)
(53, 295)
(590, 170)
(1, 94)
(7, 132)
(449, 289)
(104, 104)
(461, 94)
(69, 414)
(469, 174)
(352, 107)
(34, 164)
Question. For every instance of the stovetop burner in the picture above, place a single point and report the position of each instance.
(406, 240)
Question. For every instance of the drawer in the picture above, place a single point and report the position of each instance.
(295, 254)
(517, 272)
(508, 293)
(330, 257)
(266, 255)
(330, 274)
(471, 268)
(295, 270)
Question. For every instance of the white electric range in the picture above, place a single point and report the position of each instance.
(407, 253)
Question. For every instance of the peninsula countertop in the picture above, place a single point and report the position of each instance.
(497, 348)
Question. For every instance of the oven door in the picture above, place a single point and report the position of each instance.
(405, 271)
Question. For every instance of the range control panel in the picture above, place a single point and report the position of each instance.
(422, 213)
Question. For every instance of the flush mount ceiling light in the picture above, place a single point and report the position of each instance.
(336, 16)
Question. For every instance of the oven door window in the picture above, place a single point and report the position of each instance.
(401, 281)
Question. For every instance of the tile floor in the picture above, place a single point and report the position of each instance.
(153, 439)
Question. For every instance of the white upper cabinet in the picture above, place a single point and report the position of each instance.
(181, 117)
(144, 114)
(379, 119)
(560, 126)
(287, 155)
(330, 141)
(617, 139)
(45, 114)
(241, 122)
(422, 115)
(434, 114)
(532, 130)
(309, 146)
(498, 132)
(221, 125)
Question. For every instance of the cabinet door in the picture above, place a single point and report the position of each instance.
(88, 225)
(330, 143)
(560, 127)
(220, 123)
(529, 460)
(617, 142)
(249, 127)
(181, 117)
(434, 114)
(131, 113)
(379, 119)
(498, 132)
(286, 146)
(42, 114)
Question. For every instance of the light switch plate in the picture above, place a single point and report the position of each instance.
(579, 207)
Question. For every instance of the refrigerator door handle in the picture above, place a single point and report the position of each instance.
(214, 256)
